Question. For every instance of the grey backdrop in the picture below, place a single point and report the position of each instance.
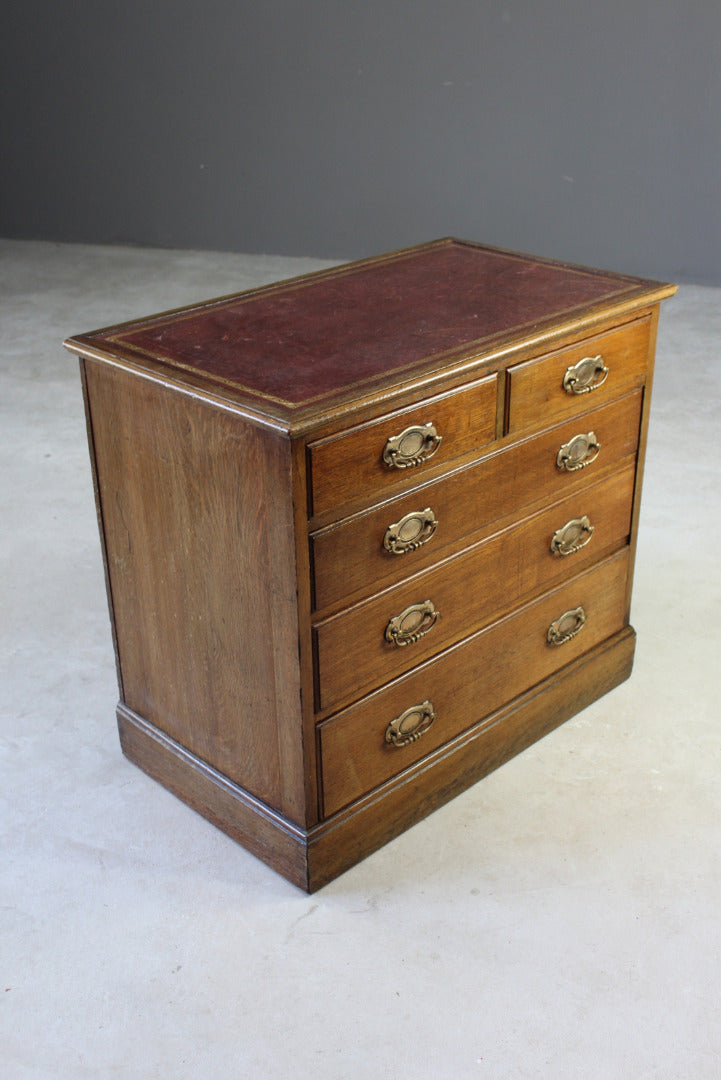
(586, 132)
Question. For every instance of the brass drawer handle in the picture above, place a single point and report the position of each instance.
(578, 453)
(574, 535)
(410, 725)
(411, 532)
(412, 624)
(412, 447)
(566, 626)
(587, 375)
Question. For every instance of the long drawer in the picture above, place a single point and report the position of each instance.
(570, 381)
(390, 633)
(382, 735)
(395, 449)
(355, 555)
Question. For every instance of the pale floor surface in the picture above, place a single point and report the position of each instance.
(562, 919)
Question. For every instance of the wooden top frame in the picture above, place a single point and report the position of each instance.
(292, 353)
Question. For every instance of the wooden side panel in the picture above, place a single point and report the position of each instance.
(196, 513)
(643, 438)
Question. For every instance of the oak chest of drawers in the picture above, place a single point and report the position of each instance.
(368, 533)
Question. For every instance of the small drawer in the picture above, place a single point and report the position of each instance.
(390, 633)
(574, 380)
(354, 554)
(379, 737)
(368, 460)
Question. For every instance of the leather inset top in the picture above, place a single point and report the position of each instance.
(315, 337)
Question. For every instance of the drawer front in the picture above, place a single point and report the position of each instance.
(395, 727)
(397, 448)
(574, 380)
(387, 635)
(354, 554)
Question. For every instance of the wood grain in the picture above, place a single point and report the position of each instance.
(466, 683)
(247, 820)
(368, 824)
(242, 501)
(514, 476)
(196, 517)
(469, 590)
(311, 858)
(350, 466)
(536, 390)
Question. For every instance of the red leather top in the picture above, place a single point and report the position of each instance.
(301, 341)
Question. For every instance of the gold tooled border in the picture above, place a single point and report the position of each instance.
(627, 285)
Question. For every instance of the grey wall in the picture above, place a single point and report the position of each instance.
(590, 132)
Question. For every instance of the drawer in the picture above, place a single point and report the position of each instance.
(390, 633)
(368, 460)
(574, 380)
(353, 555)
(385, 733)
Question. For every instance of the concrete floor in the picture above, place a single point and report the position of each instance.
(562, 919)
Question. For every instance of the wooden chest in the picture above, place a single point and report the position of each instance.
(368, 533)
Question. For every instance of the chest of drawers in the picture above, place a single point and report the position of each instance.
(367, 534)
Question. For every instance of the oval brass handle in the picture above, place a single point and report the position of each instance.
(411, 532)
(412, 624)
(587, 375)
(574, 535)
(412, 447)
(578, 453)
(566, 626)
(410, 725)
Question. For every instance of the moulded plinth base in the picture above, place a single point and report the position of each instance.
(311, 858)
